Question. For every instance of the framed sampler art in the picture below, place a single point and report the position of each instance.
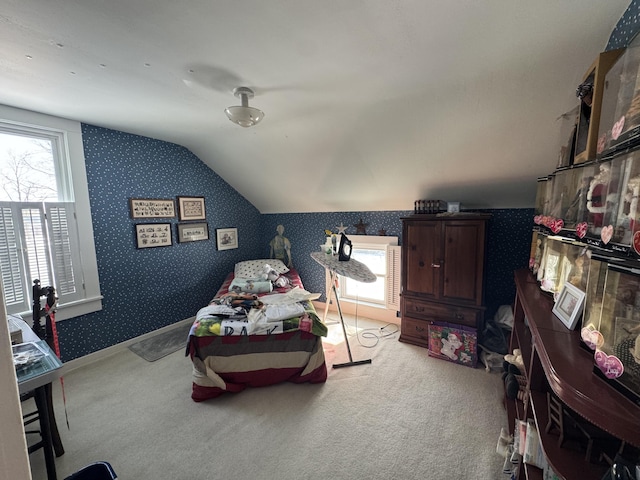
(192, 232)
(150, 235)
(191, 208)
(152, 208)
(227, 238)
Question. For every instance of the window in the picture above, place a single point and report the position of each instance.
(45, 221)
(382, 256)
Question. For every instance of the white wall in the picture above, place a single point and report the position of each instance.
(14, 459)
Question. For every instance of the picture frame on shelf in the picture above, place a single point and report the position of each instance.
(152, 208)
(191, 208)
(568, 307)
(193, 232)
(226, 238)
(151, 235)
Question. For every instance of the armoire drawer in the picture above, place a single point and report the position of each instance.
(415, 331)
(441, 313)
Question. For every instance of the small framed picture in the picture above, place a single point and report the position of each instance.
(568, 307)
(152, 208)
(192, 232)
(150, 235)
(191, 208)
(227, 238)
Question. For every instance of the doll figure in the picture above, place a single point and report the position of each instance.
(280, 247)
(578, 272)
(596, 197)
(576, 212)
(628, 213)
(537, 257)
(628, 351)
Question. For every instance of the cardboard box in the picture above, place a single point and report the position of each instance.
(14, 330)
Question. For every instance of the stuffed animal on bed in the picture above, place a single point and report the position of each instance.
(277, 279)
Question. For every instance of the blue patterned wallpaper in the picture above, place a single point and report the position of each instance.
(626, 28)
(147, 289)
(508, 243)
(150, 288)
(305, 231)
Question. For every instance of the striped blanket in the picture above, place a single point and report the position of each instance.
(231, 352)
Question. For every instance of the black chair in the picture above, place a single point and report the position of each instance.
(44, 332)
(94, 471)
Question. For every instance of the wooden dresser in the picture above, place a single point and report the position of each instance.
(443, 259)
(557, 364)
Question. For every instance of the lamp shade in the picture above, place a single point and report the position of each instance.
(244, 115)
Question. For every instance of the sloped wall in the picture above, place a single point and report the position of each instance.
(150, 288)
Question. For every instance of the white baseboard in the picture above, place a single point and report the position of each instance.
(113, 349)
(361, 310)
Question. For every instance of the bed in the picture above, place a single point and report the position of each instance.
(256, 332)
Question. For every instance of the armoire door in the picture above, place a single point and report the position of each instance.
(422, 265)
(463, 251)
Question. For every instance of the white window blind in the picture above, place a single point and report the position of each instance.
(382, 256)
(38, 241)
(392, 297)
(11, 264)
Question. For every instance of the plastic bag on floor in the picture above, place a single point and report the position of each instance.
(504, 317)
(494, 339)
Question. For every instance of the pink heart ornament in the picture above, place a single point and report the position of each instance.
(557, 225)
(610, 365)
(602, 142)
(593, 338)
(581, 229)
(606, 234)
(616, 130)
(537, 219)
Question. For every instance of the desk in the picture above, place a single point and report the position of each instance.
(38, 377)
(353, 269)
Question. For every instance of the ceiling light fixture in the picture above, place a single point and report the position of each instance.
(244, 115)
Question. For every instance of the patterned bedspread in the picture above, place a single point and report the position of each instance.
(282, 310)
(251, 340)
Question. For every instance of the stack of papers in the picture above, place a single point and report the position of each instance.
(26, 354)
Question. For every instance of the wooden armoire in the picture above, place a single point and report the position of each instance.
(443, 258)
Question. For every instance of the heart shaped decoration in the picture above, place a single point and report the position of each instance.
(537, 219)
(610, 365)
(593, 338)
(556, 225)
(616, 130)
(636, 242)
(606, 234)
(602, 141)
(581, 229)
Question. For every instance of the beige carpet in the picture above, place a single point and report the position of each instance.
(405, 416)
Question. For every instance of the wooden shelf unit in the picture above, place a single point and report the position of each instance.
(555, 361)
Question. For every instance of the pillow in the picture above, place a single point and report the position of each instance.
(251, 286)
(255, 268)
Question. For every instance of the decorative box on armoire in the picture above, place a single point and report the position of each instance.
(443, 258)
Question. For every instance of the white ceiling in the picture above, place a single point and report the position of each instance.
(369, 104)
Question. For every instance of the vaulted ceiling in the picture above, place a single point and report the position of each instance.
(369, 104)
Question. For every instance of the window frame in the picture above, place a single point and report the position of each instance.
(379, 242)
(69, 159)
